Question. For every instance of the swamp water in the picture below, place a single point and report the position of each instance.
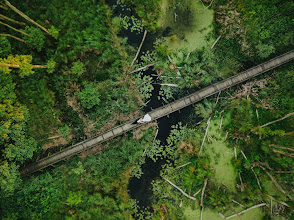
(186, 27)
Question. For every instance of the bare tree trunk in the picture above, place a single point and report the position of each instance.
(286, 116)
(253, 207)
(16, 38)
(24, 16)
(7, 25)
(285, 148)
(18, 66)
(3, 17)
(139, 49)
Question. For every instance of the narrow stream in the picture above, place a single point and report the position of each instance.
(140, 189)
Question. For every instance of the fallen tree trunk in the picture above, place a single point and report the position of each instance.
(285, 148)
(16, 38)
(246, 210)
(283, 153)
(3, 17)
(24, 16)
(18, 66)
(7, 25)
(185, 194)
(272, 122)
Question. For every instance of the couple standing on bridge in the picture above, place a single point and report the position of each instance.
(145, 119)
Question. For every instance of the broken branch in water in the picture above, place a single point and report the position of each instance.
(139, 49)
(142, 68)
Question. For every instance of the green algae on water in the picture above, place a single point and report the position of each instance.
(185, 27)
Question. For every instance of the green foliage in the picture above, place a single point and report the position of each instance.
(78, 68)
(5, 47)
(92, 189)
(36, 38)
(74, 198)
(9, 179)
(54, 32)
(89, 96)
(51, 65)
(64, 131)
(264, 50)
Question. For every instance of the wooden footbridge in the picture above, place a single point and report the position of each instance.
(161, 112)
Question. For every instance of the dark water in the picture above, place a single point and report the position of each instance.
(140, 189)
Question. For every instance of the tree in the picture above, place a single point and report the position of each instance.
(21, 62)
(35, 39)
(89, 96)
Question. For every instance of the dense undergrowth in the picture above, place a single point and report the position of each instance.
(81, 86)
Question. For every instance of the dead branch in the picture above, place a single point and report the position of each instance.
(183, 165)
(244, 155)
(256, 178)
(152, 141)
(16, 38)
(221, 215)
(139, 49)
(283, 153)
(276, 183)
(220, 126)
(202, 195)
(208, 5)
(235, 152)
(176, 69)
(185, 194)
(286, 116)
(142, 68)
(24, 16)
(217, 39)
(281, 202)
(7, 25)
(197, 192)
(3, 17)
(282, 171)
(238, 203)
(253, 207)
(285, 148)
(169, 84)
(144, 82)
(208, 123)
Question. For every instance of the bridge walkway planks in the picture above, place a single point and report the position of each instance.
(161, 112)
